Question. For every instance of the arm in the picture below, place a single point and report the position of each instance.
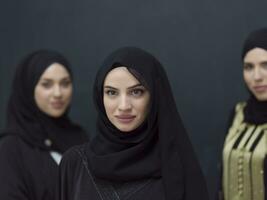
(65, 189)
(12, 184)
(219, 194)
(265, 178)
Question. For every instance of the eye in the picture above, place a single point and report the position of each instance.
(65, 83)
(264, 65)
(46, 84)
(137, 92)
(111, 93)
(247, 67)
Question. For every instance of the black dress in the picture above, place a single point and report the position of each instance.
(78, 182)
(26, 172)
(31, 137)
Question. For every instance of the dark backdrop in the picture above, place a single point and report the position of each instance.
(198, 42)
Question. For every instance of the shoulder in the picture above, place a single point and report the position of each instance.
(73, 158)
(71, 166)
(239, 111)
(12, 158)
(11, 144)
(240, 106)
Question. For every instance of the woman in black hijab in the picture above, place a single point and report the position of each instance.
(139, 152)
(38, 129)
(244, 154)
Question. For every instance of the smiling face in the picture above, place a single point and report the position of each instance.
(125, 99)
(53, 91)
(255, 72)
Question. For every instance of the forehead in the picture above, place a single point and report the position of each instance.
(256, 55)
(120, 77)
(55, 71)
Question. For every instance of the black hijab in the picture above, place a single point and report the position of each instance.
(160, 147)
(26, 120)
(255, 111)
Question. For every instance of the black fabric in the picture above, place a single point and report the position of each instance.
(160, 147)
(26, 172)
(255, 111)
(77, 182)
(257, 38)
(23, 116)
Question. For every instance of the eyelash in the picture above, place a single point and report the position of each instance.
(138, 92)
(250, 67)
(48, 85)
(110, 92)
(65, 84)
(247, 67)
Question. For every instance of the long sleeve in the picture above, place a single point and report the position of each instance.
(265, 178)
(12, 183)
(66, 176)
(219, 193)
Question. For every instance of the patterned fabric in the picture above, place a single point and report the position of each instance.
(243, 159)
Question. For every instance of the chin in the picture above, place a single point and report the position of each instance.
(125, 129)
(261, 98)
(56, 114)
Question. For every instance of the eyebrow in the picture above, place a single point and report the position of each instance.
(50, 79)
(131, 87)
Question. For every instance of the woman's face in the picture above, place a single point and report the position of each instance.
(125, 99)
(53, 91)
(255, 72)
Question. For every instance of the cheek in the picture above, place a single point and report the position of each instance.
(42, 95)
(110, 106)
(142, 106)
(68, 93)
(247, 78)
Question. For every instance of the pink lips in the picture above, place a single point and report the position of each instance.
(260, 88)
(57, 104)
(125, 118)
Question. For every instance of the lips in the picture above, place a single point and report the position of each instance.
(125, 118)
(260, 88)
(57, 104)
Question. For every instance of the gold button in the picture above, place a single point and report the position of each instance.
(261, 171)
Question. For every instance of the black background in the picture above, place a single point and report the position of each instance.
(198, 41)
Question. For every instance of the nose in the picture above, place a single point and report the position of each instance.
(257, 75)
(57, 91)
(124, 103)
